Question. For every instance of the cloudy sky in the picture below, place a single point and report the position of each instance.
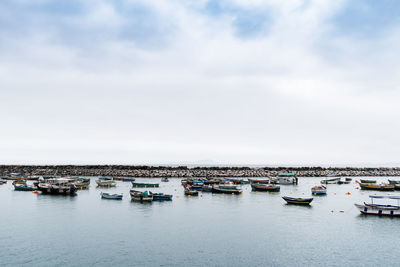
(199, 81)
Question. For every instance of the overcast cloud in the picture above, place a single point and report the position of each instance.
(196, 81)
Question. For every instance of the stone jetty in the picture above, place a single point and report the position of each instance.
(184, 171)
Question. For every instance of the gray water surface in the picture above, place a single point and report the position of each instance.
(252, 229)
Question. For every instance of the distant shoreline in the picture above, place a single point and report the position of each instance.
(185, 171)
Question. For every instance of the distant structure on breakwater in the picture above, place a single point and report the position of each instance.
(184, 171)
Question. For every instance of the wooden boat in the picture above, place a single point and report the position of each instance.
(379, 187)
(3, 181)
(57, 189)
(145, 196)
(106, 183)
(331, 181)
(165, 179)
(348, 179)
(82, 183)
(128, 179)
(190, 192)
(363, 181)
(285, 178)
(298, 201)
(258, 181)
(226, 189)
(266, 187)
(318, 190)
(24, 187)
(394, 181)
(378, 209)
(15, 176)
(111, 196)
(134, 184)
(161, 196)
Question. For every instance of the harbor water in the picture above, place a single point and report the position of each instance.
(251, 229)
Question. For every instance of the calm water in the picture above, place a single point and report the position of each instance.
(253, 229)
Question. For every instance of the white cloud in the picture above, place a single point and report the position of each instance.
(206, 94)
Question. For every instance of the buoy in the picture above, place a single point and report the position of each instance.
(348, 193)
(290, 192)
(356, 187)
(201, 195)
(233, 193)
(334, 193)
(302, 193)
(35, 192)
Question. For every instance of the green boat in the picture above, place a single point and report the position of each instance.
(24, 187)
(134, 184)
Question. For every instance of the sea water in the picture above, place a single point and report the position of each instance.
(251, 229)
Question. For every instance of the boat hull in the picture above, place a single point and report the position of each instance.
(377, 187)
(144, 185)
(377, 211)
(57, 190)
(298, 201)
(267, 188)
(111, 196)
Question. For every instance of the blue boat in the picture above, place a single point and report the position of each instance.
(318, 190)
(161, 196)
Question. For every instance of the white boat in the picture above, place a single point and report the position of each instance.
(379, 209)
(285, 178)
(106, 183)
(145, 196)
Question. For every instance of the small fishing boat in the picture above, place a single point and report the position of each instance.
(134, 184)
(266, 187)
(111, 196)
(106, 183)
(226, 189)
(24, 187)
(379, 187)
(82, 183)
(258, 181)
(59, 188)
(331, 181)
(394, 181)
(3, 181)
(161, 196)
(378, 209)
(15, 176)
(165, 179)
(318, 190)
(363, 181)
(298, 201)
(190, 192)
(128, 179)
(348, 179)
(145, 196)
(285, 178)
(343, 182)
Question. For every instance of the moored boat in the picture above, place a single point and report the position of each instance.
(165, 179)
(331, 181)
(161, 196)
(134, 184)
(285, 178)
(394, 181)
(298, 201)
(15, 176)
(258, 181)
(348, 179)
(266, 187)
(378, 209)
(57, 188)
(364, 181)
(145, 196)
(24, 187)
(128, 179)
(82, 183)
(226, 189)
(3, 181)
(106, 183)
(318, 190)
(379, 187)
(111, 196)
(190, 192)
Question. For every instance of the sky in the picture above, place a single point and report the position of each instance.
(302, 82)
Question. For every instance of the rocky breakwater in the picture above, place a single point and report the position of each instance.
(184, 171)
